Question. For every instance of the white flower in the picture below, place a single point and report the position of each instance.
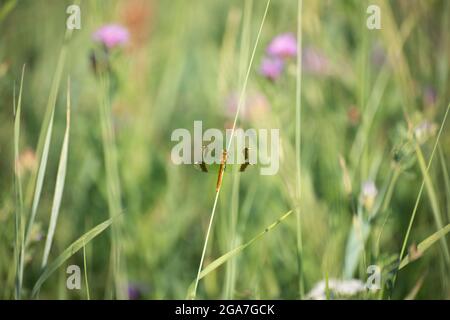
(368, 194)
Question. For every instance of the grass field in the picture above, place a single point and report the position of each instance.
(87, 177)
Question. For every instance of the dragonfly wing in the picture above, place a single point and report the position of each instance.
(247, 161)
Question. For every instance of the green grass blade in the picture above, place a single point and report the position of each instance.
(113, 187)
(68, 252)
(19, 220)
(60, 179)
(34, 187)
(298, 132)
(230, 273)
(416, 205)
(355, 246)
(85, 273)
(446, 178)
(40, 176)
(433, 200)
(249, 69)
(231, 265)
(230, 254)
(425, 245)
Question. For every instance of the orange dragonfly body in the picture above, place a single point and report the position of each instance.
(223, 163)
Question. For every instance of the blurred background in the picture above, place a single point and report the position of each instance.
(373, 102)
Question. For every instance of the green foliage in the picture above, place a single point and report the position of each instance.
(361, 107)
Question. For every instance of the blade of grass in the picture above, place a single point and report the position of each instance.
(85, 272)
(355, 247)
(244, 86)
(241, 100)
(19, 219)
(372, 106)
(393, 39)
(433, 200)
(59, 187)
(446, 178)
(34, 188)
(230, 274)
(230, 254)
(68, 252)
(231, 265)
(112, 184)
(416, 205)
(40, 176)
(384, 208)
(425, 245)
(298, 110)
(419, 195)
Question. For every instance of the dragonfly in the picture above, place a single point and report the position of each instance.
(202, 166)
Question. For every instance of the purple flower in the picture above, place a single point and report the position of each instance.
(272, 68)
(134, 292)
(283, 46)
(111, 35)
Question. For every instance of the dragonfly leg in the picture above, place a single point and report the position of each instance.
(247, 162)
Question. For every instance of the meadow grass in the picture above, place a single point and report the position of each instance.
(298, 132)
(19, 244)
(354, 106)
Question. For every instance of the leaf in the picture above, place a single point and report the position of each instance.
(425, 245)
(446, 179)
(416, 205)
(59, 187)
(230, 254)
(34, 188)
(355, 245)
(433, 199)
(40, 176)
(70, 251)
(19, 222)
